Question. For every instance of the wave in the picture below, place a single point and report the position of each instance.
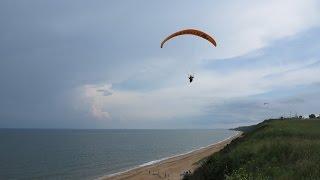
(166, 158)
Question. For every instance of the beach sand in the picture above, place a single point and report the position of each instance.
(172, 168)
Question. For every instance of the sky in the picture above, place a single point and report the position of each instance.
(98, 64)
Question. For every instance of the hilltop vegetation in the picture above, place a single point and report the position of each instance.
(273, 149)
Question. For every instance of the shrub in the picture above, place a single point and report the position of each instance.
(312, 116)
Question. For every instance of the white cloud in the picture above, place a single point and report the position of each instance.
(240, 27)
(127, 105)
(191, 100)
(243, 26)
(92, 95)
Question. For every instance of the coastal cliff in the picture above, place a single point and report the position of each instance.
(274, 149)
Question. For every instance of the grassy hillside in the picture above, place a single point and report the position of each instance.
(274, 149)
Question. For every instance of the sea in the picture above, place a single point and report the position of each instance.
(90, 154)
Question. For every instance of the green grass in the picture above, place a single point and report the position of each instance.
(274, 149)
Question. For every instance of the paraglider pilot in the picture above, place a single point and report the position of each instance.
(191, 78)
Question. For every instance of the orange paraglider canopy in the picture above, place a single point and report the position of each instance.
(190, 32)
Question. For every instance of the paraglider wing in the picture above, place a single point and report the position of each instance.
(190, 32)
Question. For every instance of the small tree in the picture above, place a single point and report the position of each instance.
(312, 116)
(300, 117)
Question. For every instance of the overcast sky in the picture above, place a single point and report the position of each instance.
(98, 64)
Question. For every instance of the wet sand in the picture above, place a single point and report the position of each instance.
(174, 167)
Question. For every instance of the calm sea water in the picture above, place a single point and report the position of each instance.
(89, 154)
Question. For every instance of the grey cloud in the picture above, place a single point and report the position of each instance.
(48, 48)
(105, 92)
(293, 100)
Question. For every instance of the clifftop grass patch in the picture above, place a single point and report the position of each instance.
(281, 149)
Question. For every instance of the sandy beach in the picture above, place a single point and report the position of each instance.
(172, 168)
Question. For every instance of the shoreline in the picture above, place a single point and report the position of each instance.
(171, 167)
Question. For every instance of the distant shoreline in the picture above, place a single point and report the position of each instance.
(171, 167)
